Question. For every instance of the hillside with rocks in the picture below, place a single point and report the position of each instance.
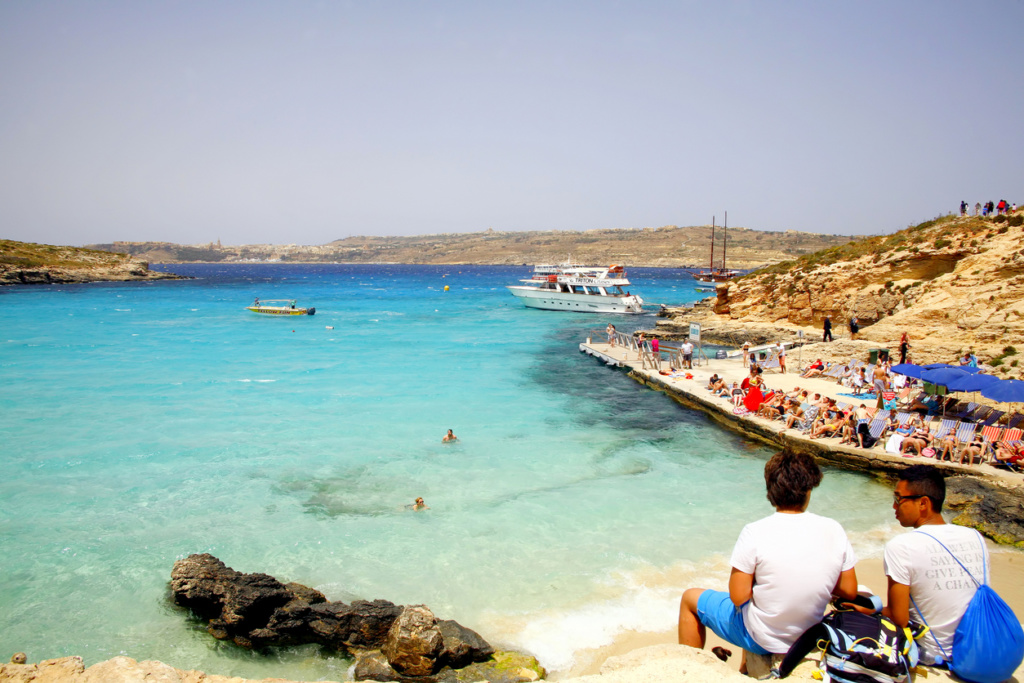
(953, 284)
(667, 246)
(24, 263)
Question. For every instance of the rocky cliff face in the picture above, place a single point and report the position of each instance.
(22, 263)
(952, 284)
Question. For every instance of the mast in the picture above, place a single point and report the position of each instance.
(725, 238)
(712, 266)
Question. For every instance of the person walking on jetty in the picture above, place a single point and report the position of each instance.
(746, 354)
(610, 330)
(686, 348)
(785, 569)
(782, 357)
(827, 326)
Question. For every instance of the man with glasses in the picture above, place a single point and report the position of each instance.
(926, 583)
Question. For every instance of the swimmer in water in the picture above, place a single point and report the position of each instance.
(420, 505)
(449, 437)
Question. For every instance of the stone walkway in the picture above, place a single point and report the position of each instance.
(693, 393)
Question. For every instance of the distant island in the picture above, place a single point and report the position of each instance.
(668, 246)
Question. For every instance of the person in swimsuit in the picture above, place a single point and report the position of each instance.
(449, 437)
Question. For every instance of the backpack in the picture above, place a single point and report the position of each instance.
(988, 644)
(858, 648)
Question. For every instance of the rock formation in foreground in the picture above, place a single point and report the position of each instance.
(390, 642)
(23, 263)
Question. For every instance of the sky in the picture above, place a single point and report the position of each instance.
(304, 122)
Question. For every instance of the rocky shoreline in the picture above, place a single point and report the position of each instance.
(22, 263)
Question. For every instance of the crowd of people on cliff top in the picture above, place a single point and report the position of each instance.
(790, 566)
(989, 208)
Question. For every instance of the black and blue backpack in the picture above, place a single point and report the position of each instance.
(857, 648)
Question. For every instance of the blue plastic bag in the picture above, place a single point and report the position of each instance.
(989, 642)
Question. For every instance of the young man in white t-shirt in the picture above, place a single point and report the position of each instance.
(785, 568)
(921, 571)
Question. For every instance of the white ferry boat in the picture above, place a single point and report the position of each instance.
(573, 287)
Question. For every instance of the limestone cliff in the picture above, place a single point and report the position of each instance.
(24, 263)
(952, 284)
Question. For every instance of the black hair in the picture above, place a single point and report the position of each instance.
(926, 480)
(789, 477)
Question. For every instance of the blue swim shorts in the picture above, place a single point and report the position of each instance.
(716, 611)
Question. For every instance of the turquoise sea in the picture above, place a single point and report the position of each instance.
(143, 422)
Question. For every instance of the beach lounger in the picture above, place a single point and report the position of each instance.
(804, 423)
(1014, 420)
(902, 417)
(963, 436)
(992, 418)
(945, 427)
(964, 411)
(991, 435)
(1010, 435)
(979, 414)
(835, 372)
(771, 362)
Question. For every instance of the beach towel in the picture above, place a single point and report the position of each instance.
(863, 397)
(893, 444)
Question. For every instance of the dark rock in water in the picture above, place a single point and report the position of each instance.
(414, 643)
(373, 666)
(462, 646)
(258, 611)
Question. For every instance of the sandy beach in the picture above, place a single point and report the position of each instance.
(637, 657)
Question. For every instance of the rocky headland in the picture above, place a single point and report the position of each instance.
(24, 263)
(953, 284)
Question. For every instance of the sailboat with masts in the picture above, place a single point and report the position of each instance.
(708, 279)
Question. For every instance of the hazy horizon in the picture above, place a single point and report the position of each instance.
(257, 122)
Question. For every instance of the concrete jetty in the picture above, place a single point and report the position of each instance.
(693, 393)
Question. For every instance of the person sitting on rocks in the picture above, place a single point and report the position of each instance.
(737, 395)
(1009, 453)
(796, 412)
(814, 369)
(849, 430)
(774, 407)
(827, 424)
(785, 569)
(974, 449)
(919, 439)
(946, 446)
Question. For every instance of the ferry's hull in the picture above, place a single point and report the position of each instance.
(549, 300)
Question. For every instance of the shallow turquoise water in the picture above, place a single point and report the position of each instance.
(140, 423)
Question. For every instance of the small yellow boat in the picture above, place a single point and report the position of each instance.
(279, 307)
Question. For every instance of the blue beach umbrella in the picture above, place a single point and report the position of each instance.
(971, 382)
(1005, 391)
(940, 366)
(944, 376)
(908, 369)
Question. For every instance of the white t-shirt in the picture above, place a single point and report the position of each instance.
(938, 585)
(796, 560)
(686, 348)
